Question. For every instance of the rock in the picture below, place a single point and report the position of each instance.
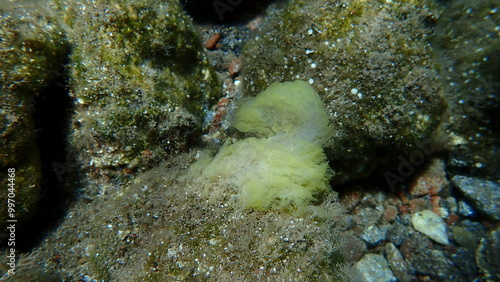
(484, 194)
(141, 81)
(373, 199)
(452, 203)
(413, 244)
(165, 228)
(432, 263)
(398, 233)
(452, 219)
(471, 80)
(351, 198)
(431, 181)
(401, 268)
(464, 237)
(431, 225)
(348, 222)
(372, 235)
(475, 227)
(32, 54)
(390, 214)
(465, 261)
(369, 215)
(465, 209)
(374, 267)
(379, 84)
(419, 204)
(487, 255)
(353, 248)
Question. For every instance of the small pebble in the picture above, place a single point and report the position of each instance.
(212, 41)
(431, 225)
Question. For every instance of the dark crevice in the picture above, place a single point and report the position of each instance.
(224, 11)
(52, 113)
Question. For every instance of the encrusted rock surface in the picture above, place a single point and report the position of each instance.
(372, 64)
(141, 81)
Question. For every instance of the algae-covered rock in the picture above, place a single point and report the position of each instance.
(372, 65)
(32, 51)
(140, 78)
(269, 217)
(165, 228)
(468, 41)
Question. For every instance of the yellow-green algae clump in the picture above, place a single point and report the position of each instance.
(282, 165)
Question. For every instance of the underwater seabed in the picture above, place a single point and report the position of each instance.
(325, 140)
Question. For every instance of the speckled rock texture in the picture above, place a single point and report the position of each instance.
(141, 81)
(482, 194)
(372, 64)
(468, 43)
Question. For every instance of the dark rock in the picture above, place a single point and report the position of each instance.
(464, 260)
(354, 248)
(432, 263)
(32, 54)
(219, 11)
(464, 237)
(487, 255)
(484, 194)
(401, 268)
(413, 244)
(469, 68)
(475, 227)
(398, 233)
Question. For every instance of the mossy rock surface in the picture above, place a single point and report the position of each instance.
(140, 78)
(32, 51)
(371, 63)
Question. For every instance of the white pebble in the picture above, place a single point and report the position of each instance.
(430, 224)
